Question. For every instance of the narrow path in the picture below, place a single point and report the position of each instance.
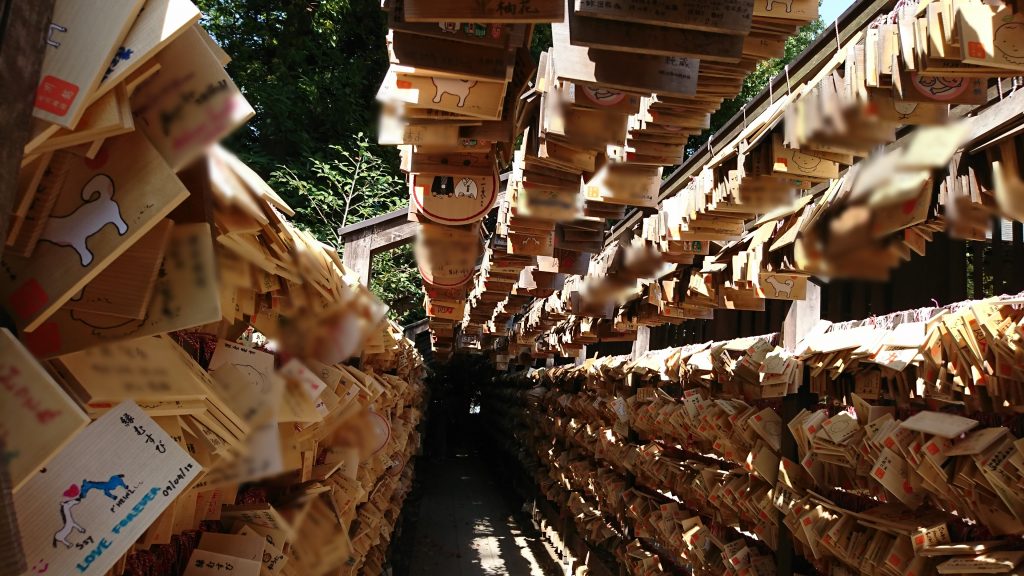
(465, 525)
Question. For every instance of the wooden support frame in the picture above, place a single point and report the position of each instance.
(362, 240)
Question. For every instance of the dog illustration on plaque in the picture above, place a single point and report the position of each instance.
(458, 88)
(76, 228)
(69, 500)
(781, 287)
(116, 481)
(787, 3)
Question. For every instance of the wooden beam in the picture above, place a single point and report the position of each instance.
(23, 28)
(801, 69)
(392, 236)
(358, 256)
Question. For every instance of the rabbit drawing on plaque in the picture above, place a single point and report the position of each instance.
(458, 88)
(76, 228)
(787, 3)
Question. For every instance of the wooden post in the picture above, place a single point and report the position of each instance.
(643, 341)
(23, 29)
(802, 316)
(358, 254)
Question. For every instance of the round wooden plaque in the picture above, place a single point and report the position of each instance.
(455, 199)
(446, 256)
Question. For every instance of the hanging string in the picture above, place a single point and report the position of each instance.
(789, 88)
(839, 45)
(744, 108)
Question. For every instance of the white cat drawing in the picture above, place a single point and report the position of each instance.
(76, 228)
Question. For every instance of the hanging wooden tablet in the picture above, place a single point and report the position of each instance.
(991, 37)
(621, 36)
(440, 57)
(625, 184)
(446, 309)
(104, 206)
(149, 370)
(446, 255)
(101, 492)
(36, 416)
(124, 288)
(454, 199)
(158, 24)
(622, 71)
(184, 295)
(941, 89)
(476, 98)
(487, 11)
(80, 43)
(776, 286)
(801, 10)
(727, 17)
(191, 104)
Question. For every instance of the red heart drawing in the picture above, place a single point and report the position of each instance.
(72, 491)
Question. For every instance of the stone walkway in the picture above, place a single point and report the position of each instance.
(465, 525)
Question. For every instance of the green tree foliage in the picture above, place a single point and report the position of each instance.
(311, 69)
(757, 81)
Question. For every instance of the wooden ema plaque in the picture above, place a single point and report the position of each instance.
(454, 199)
(780, 286)
(477, 98)
(447, 256)
(446, 309)
(724, 16)
(100, 493)
(80, 43)
(621, 70)
(104, 206)
(191, 104)
(157, 25)
(36, 416)
(625, 184)
(481, 11)
(620, 36)
(185, 294)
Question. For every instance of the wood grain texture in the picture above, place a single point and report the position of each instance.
(102, 209)
(23, 27)
(80, 44)
(36, 416)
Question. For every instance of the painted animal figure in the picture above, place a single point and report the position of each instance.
(781, 287)
(108, 487)
(458, 88)
(69, 522)
(787, 3)
(75, 229)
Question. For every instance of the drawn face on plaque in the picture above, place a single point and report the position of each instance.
(455, 199)
(603, 96)
(1009, 42)
(940, 88)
